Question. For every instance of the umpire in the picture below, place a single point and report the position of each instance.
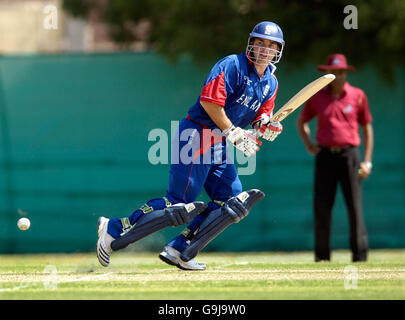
(340, 109)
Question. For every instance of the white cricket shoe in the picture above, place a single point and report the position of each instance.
(103, 242)
(171, 256)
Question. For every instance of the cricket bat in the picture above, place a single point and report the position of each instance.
(303, 95)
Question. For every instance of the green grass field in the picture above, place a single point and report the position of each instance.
(229, 276)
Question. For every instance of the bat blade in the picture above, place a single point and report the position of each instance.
(303, 95)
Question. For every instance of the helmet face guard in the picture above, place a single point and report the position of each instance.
(264, 56)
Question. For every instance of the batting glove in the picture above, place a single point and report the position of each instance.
(271, 130)
(242, 140)
(266, 129)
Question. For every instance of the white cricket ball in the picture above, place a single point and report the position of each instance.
(23, 223)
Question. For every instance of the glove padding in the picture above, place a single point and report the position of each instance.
(266, 129)
(243, 140)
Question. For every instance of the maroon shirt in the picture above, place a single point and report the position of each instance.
(338, 119)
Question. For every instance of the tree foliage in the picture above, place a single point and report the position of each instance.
(208, 29)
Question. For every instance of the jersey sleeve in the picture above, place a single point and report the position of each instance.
(364, 115)
(221, 82)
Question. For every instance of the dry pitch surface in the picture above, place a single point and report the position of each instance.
(245, 276)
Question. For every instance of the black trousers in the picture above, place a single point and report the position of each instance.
(333, 168)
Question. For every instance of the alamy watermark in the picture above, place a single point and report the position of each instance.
(51, 281)
(191, 146)
(50, 21)
(351, 20)
(351, 277)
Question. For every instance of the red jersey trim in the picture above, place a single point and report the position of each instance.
(214, 91)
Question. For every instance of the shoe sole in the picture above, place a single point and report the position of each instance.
(98, 225)
(183, 268)
(99, 248)
(176, 264)
(187, 269)
(167, 260)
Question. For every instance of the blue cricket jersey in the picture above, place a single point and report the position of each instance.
(234, 84)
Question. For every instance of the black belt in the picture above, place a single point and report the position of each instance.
(336, 150)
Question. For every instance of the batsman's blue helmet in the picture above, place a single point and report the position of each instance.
(270, 31)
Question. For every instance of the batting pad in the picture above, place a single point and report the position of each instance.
(154, 221)
(218, 220)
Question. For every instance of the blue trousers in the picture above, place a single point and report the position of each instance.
(202, 163)
(199, 160)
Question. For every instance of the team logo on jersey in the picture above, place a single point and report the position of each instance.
(348, 109)
(247, 80)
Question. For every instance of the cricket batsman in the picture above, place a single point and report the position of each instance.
(239, 91)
